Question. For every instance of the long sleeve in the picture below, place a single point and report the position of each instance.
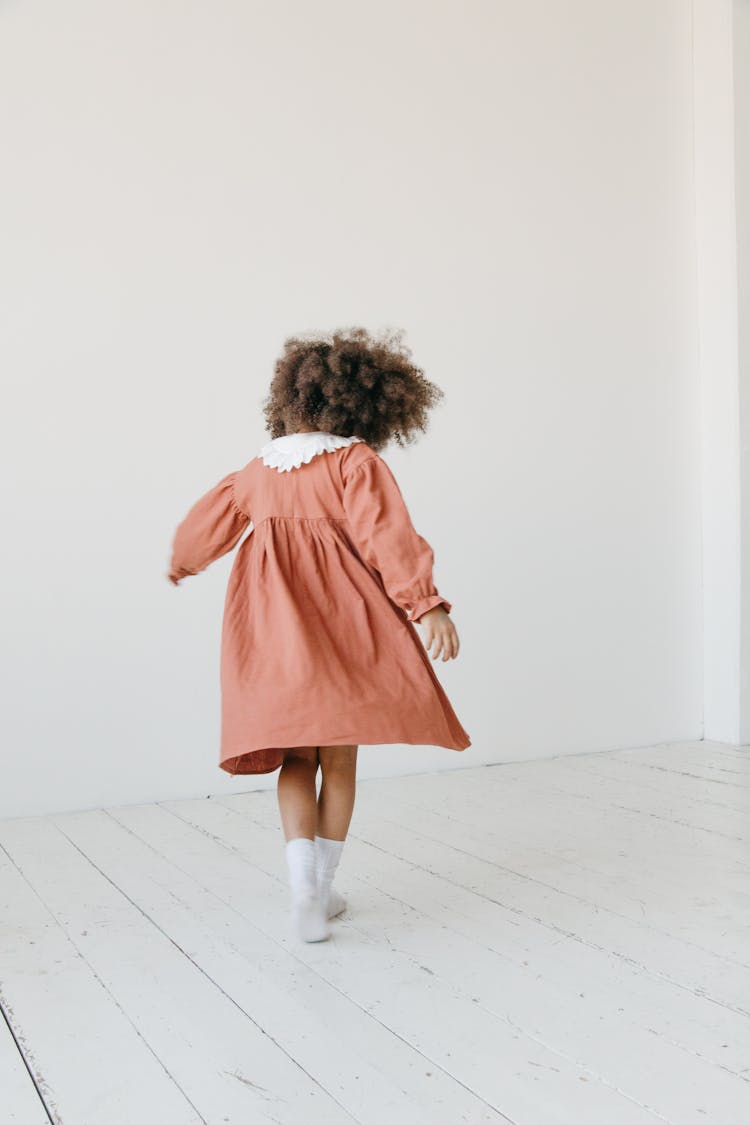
(211, 528)
(383, 533)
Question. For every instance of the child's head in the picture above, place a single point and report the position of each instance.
(352, 383)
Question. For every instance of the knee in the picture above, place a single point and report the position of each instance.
(302, 757)
(338, 761)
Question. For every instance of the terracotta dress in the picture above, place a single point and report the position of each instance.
(318, 643)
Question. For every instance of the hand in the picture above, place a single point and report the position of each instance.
(439, 630)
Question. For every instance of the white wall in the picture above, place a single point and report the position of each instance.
(741, 74)
(722, 163)
(717, 344)
(190, 183)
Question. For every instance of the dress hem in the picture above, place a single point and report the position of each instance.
(264, 753)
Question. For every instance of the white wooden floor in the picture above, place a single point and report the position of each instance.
(559, 941)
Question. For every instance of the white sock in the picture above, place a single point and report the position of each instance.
(327, 856)
(308, 909)
(300, 858)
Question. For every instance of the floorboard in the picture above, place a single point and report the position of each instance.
(550, 942)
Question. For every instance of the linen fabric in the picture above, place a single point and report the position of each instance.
(318, 644)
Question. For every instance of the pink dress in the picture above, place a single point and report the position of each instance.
(318, 643)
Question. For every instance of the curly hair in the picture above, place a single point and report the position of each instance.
(350, 382)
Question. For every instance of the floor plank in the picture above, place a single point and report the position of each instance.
(381, 851)
(21, 1103)
(222, 1061)
(638, 867)
(88, 1061)
(550, 942)
(376, 1076)
(581, 1018)
(497, 1061)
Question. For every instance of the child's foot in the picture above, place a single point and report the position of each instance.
(336, 903)
(308, 917)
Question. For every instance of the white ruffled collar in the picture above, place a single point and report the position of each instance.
(289, 451)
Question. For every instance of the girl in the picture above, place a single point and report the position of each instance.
(318, 639)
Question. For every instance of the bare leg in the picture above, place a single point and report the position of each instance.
(298, 807)
(296, 792)
(337, 790)
(335, 805)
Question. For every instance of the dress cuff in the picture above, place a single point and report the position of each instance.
(176, 574)
(429, 602)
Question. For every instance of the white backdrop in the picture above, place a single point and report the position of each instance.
(741, 273)
(190, 183)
